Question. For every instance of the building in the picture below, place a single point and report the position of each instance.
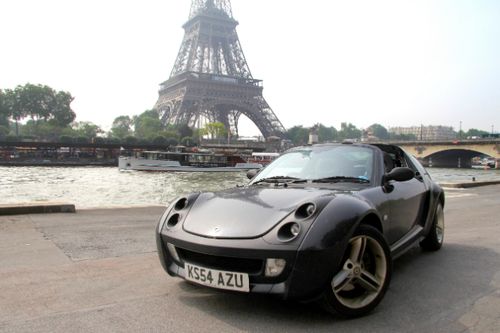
(426, 133)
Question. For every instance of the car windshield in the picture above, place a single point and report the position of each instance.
(321, 164)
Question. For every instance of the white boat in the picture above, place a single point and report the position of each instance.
(486, 163)
(184, 162)
(263, 158)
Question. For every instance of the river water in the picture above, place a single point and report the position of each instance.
(89, 187)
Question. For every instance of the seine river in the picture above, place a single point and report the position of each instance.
(89, 187)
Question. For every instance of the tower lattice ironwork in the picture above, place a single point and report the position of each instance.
(211, 80)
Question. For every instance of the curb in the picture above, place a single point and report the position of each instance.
(470, 184)
(35, 208)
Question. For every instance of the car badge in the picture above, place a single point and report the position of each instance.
(217, 230)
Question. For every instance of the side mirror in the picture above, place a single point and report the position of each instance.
(252, 173)
(399, 175)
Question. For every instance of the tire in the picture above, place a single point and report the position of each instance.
(434, 239)
(359, 286)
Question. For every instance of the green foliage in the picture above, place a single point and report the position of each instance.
(298, 135)
(184, 131)
(122, 127)
(160, 140)
(82, 139)
(326, 134)
(476, 133)
(11, 138)
(172, 141)
(170, 133)
(65, 139)
(4, 109)
(379, 131)
(40, 129)
(39, 102)
(131, 140)
(147, 125)
(349, 131)
(188, 141)
(99, 140)
(62, 113)
(87, 130)
(4, 131)
(215, 130)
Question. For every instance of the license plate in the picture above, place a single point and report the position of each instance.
(217, 279)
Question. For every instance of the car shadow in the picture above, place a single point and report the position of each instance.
(428, 291)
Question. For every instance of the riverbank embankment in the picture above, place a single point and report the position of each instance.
(98, 271)
(36, 208)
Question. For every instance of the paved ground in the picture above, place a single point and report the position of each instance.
(97, 271)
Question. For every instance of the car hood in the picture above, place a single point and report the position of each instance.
(247, 212)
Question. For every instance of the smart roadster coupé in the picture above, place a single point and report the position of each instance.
(321, 222)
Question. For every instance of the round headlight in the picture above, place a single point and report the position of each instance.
(181, 204)
(305, 211)
(173, 220)
(288, 232)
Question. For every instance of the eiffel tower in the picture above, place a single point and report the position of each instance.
(211, 80)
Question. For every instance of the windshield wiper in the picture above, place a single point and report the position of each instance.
(279, 180)
(338, 179)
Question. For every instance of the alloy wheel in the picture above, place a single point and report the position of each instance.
(363, 274)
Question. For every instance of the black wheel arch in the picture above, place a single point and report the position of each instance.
(327, 240)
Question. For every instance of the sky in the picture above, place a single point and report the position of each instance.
(392, 62)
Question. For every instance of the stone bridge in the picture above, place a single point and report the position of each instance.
(456, 153)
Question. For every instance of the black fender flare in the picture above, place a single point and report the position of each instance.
(322, 249)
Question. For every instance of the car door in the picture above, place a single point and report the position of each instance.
(405, 200)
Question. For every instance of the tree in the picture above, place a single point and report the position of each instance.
(298, 135)
(12, 109)
(473, 132)
(36, 100)
(131, 140)
(160, 140)
(147, 125)
(122, 127)
(4, 131)
(349, 131)
(62, 114)
(147, 128)
(87, 129)
(379, 131)
(66, 139)
(4, 109)
(215, 130)
(39, 102)
(326, 134)
(188, 141)
(172, 141)
(184, 131)
(40, 130)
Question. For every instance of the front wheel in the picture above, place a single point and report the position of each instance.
(434, 240)
(364, 277)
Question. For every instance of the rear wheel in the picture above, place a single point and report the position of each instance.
(364, 277)
(434, 240)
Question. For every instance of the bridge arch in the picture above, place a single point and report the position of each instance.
(453, 153)
(452, 158)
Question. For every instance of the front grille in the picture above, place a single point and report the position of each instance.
(242, 265)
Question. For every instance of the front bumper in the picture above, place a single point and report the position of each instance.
(305, 276)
